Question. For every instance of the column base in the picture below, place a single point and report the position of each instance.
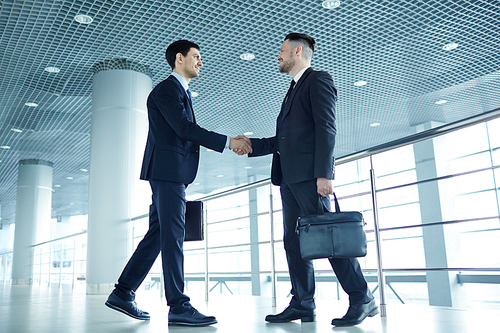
(22, 282)
(100, 288)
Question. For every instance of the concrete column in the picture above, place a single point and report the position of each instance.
(441, 243)
(33, 208)
(116, 194)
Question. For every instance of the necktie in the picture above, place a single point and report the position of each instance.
(292, 84)
(289, 92)
(189, 94)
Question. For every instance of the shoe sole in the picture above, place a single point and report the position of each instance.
(114, 307)
(181, 323)
(302, 319)
(373, 313)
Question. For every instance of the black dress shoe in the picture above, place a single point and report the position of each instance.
(190, 317)
(356, 314)
(126, 307)
(290, 314)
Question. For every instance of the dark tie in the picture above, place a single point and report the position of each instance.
(289, 92)
(292, 84)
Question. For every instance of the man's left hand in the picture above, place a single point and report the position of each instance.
(325, 186)
(241, 145)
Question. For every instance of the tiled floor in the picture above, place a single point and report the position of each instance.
(43, 309)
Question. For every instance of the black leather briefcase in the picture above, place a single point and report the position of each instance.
(332, 235)
(194, 221)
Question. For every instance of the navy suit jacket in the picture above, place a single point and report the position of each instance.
(173, 146)
(305, 133)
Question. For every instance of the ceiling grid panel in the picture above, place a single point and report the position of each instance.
(396, 47)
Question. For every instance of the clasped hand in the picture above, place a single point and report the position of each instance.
(325, 186)
(241, 145)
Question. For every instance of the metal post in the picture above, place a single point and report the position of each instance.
(50, 263)
(162, 285)
(205, 221)
(381, 278)
(61, 263)
(273, 260)
(73, 263)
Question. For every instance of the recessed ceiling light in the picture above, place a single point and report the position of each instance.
(442, 101)
(17, 130)
(196, 184)
(69, 178)
(220, 176)
(450, 46)
(360, 83)
(84, 170)
(248, 133)
(247, 56)
(374, 124)
(4, 147)
(52, 69)
(83, 19)
(208, 149)
(194, 94)
(248, 167)
(330, 4)
(31, 104)
(57, 185)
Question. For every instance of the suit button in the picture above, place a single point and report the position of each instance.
(282, 138)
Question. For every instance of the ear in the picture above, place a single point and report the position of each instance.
(179, 58)
(298, 50)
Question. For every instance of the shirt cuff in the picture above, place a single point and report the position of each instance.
(228, 140)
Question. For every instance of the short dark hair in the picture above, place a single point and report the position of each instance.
(181, 46)
(304, 40)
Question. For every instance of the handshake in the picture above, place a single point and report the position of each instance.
(241, 145)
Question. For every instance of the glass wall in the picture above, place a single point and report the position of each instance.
(5, 266)
(61, 261)
(438, 214)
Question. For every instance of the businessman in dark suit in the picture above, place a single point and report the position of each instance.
(170, 164)
(303, 167)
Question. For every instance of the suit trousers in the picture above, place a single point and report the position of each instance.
(301, 199)
(165, 235)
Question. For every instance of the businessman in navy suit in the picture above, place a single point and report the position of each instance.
(170, 163)
(303, 167)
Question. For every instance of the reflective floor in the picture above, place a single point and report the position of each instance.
(54, 309)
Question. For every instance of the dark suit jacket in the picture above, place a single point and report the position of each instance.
(305, 133)
(173, 146)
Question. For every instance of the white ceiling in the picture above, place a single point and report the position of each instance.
(395, 46)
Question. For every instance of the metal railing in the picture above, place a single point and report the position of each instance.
(51, 265)
(425, 135)
(377, 230)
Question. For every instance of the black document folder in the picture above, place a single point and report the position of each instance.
(194, 221)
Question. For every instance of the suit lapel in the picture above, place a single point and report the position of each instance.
(189, 108)
(287, 103)
(188, 104)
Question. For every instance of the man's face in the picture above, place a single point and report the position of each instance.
(192, 63)
(286, 59)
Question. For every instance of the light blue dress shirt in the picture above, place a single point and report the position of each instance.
(186, 87)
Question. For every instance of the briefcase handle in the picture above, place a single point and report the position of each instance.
(320, 205)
